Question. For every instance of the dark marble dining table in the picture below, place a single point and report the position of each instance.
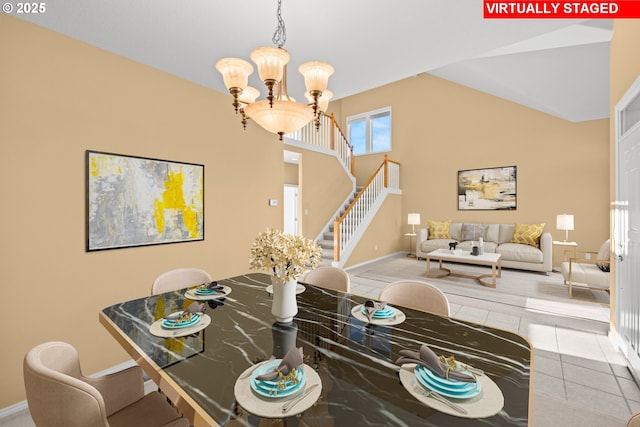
(355, 360)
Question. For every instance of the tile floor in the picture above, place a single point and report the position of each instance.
(579, 378)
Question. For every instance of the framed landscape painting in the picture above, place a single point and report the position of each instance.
(487, 189)
(138, 201)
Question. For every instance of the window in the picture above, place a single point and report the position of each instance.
(370, 132)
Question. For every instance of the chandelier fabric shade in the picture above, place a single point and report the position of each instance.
(279, 113)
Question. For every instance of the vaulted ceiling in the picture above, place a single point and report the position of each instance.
(560, 67)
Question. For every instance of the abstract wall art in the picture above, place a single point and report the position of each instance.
(138, 201)
(487, 189)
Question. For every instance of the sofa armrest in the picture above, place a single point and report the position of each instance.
(422, 234)
(546, 246)
(588, 261)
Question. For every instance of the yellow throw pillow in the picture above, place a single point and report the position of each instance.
(439, 229)
(527, 234)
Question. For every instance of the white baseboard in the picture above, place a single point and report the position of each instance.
(16, 408)
(371, 261)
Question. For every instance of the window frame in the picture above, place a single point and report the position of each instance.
(368, 118)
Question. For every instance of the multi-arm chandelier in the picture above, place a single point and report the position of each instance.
(279, 113)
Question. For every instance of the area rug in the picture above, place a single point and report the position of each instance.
(534, 291)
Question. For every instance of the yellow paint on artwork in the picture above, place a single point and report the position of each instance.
(94, 167)
(103, 165)
(173, 198)
(158, 214)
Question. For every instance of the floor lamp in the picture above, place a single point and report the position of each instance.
(413, 219)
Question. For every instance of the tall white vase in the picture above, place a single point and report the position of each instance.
(284, 305)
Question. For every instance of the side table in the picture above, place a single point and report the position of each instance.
(566, 247)
(411, 236)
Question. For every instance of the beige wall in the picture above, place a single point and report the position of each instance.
(440, 127)
(291, 173)
(323, 187)
(60, 97)
(625, 69)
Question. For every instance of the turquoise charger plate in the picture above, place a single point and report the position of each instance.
(386, 312)
(449, 388)
(266, 388)
(172, 324)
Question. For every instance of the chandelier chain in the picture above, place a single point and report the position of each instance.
(280, 35)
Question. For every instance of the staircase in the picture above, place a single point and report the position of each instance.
(341, 235)
(327, 241)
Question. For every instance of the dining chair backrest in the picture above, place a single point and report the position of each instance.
(634, 421)
(59, 395)
(55, 393)
(178, 279)
(328, 277)
(417, 295)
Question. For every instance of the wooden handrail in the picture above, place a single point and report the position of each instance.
(336, 223)
(335, 123)
(352, 163)
(342, 217)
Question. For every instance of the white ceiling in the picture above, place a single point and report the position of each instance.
(560, 67)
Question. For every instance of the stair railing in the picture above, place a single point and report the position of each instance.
(328, 137)
(386, 177)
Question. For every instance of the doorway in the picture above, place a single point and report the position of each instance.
(291, 209)
(291, 205)
(626, 228)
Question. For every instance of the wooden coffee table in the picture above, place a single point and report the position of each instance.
(488, 259)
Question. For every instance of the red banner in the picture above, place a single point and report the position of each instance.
(561, 9)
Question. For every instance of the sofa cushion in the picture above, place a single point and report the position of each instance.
(487, 247)
(603, 254)
(506, 233)
(493, 233)
(585, 274)
(432, 244)
(527, 234)
(439, 229)
(474, 231)
(455, 231)
(519, 252)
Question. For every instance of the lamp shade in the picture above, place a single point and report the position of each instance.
(235, 72)
(283, 117)
(323, 101)
(248, 95)
(413, 219)
(564, 222)
(270, 62)
(316, 75)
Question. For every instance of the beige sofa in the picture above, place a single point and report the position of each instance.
(496, 238)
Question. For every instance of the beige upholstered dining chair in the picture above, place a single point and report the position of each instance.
(329, 278)
(415, 294)
(634, 421)
(179, 278)
(60, 396)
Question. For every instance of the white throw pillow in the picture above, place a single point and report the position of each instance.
(604, 253)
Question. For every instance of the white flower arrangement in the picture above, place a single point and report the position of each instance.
(286, 256)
